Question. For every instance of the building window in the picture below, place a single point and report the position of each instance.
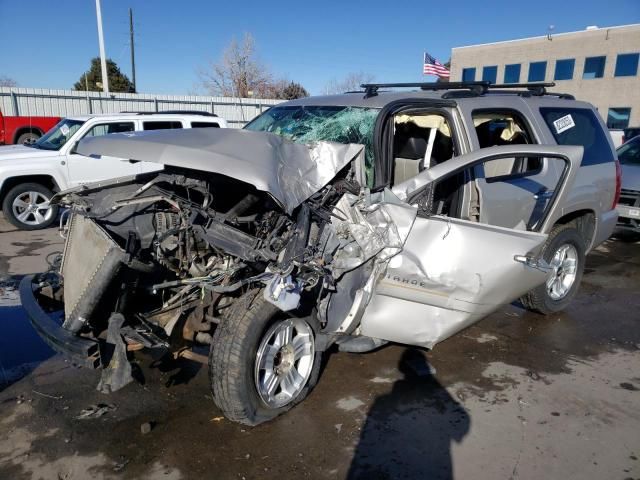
(468, 74)
(618, 118)
(594, 67)
(627, 65)
(490, 74)
(564, 69)
(537, 71)
(512, 73)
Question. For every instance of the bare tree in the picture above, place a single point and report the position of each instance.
(238, 72)
(350, 82)
(7, 81)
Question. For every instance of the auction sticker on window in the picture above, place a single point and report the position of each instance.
(65, 130)
(564, 123)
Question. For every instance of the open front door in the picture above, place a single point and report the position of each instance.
(454, 272)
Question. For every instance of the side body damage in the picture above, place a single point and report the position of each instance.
(284, 260)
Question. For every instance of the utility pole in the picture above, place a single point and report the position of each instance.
(133, 51)
(103, 58)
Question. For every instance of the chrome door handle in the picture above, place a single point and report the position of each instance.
(544, 194)
(537, 263)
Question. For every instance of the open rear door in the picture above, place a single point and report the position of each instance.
(454, 272)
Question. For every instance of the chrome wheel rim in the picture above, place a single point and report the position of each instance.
(563, 274)
(284, 361)
(32, 208)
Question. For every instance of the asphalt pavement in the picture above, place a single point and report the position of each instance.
(517, 395)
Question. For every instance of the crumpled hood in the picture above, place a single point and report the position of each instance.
(631, 177)
(290, 172)
(11, 153)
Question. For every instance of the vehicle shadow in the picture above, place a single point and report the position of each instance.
(408, 432)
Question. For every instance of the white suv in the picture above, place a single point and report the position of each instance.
(29, 175)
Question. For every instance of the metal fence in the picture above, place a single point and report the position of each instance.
(64, 103)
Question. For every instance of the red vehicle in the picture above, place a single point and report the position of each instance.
(21, 130)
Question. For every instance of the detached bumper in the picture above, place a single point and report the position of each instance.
(82, 350)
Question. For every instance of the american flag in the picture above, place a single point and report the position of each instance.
(434, 67)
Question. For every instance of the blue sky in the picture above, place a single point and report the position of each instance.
(49, 44)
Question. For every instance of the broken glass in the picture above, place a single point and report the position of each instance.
(308, 124)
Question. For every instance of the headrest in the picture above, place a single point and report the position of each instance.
(411, 147)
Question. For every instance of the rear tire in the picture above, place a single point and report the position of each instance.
(21, 206)
(235, 354)
(545, 299)
(28, 138)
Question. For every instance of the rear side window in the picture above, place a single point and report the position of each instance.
(161, 124)
(204, 125)
(579, 126)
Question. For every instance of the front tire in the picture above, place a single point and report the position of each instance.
(27, 207)
(564, 250)
(262, 362)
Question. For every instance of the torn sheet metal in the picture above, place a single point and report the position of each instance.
(283, 292)
(440, 282)
(290, 172)
(374, 225)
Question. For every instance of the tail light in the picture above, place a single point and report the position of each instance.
(616, 197)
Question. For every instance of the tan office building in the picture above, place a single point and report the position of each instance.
(599, 65)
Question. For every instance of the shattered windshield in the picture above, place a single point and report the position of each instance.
(307, 124)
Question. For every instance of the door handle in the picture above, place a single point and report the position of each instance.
(543, 194)
(530, 261)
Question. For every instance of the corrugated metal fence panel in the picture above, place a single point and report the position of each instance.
(66, 103)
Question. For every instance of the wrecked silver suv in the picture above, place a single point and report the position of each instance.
(270, 251)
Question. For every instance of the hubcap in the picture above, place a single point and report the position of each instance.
(32, 208)
(284, 362)
(563, 274)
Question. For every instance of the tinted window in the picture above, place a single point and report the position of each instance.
(468, 74)
(162, 124)
(579, 126)
(512, 73)
(490, 74)
(629, 153)
(107, 128)
(537, 71)
(630, 133)
(627, 65)
(564, 69)
(594, 67)
(618, 117)
(204, 125)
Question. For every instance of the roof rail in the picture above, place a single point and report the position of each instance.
(174, 112)
(371, 89)
(468, 89)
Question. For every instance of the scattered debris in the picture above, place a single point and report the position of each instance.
(382, 380)
(629, 386)
(217, 419)
(338, 427)
(147, 427)
(53, 397)
(96, 411)
(118, 467)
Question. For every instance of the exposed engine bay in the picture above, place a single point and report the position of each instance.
(157, 261)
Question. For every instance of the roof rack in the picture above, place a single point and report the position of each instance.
(371, 89)
(468, 89)
(174, 112)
